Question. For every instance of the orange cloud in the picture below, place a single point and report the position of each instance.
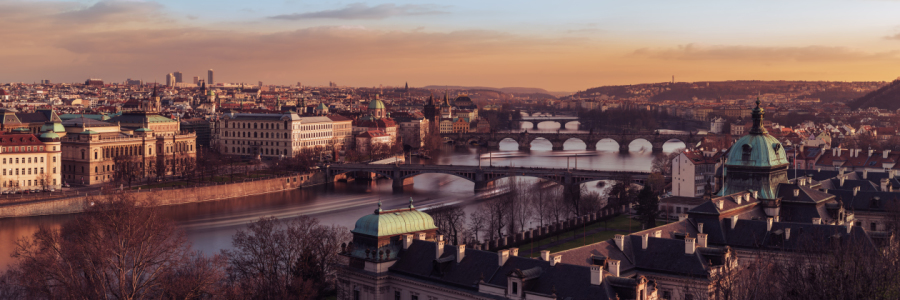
(65, 42)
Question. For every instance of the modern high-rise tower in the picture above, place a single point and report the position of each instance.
(209, 79)
(170, 80)
(178, 76)
(196, 79)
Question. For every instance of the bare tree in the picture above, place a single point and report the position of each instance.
(117, 249)
(662, 163)
(478, 222)
(451, 220)
(275, 259)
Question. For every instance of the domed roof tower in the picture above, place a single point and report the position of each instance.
(756, 162)
(377, 237)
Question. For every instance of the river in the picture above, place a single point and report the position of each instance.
(210, 225)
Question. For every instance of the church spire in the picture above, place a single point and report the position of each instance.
(758, 114)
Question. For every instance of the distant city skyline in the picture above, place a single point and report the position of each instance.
(560, 46)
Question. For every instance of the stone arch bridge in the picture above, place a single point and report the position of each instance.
(483, 176)
(524, 139)
(562, 120)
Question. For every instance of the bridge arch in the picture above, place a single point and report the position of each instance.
(639, 142)
(574, 143)
(607, 143)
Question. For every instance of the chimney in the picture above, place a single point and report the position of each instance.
(513, 251)
(440, 238)
(842, 181)
(556, 259)
(870, 152)
(613, 266)
(734, 220)
(839, 150)
(884, 184)
(865, 174)
(841, 172)
(503, 255)
(407, 241)
(644, 240)
(885, 153)
(460, 252)
(545, 255)
(420, 236)
(855, 190)
(438, 249)
(787, 233)
(700, 227)
(701, 239)
(796, 193)
(738, 199)
(834, 152)
(596, 275)
(817, 221)
(620, 242)
(720, 204)
(849, 226)
(891, 174)
(657, 234)
(755, 195)
(689, 245)
(769, 223)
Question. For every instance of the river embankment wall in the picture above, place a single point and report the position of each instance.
(166, 196)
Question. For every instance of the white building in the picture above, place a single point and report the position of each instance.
(29, 162)
(691, 171)
(271, 135)
(717, 125)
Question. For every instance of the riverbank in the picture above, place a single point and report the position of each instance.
(166, 196)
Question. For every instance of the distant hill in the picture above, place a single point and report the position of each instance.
(508, 90)
(887, 97)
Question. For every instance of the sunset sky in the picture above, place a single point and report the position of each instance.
(556, 45)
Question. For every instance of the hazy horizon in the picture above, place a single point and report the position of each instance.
(565, 46)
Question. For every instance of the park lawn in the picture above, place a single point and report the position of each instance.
(620, 222)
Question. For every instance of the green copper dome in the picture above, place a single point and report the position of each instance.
(394, 222)
(376, 104)
(49, 135)
(756, 162)
(55, 127)
(757, 150)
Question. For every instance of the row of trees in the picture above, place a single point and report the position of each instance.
(523, 205)
(122, 249)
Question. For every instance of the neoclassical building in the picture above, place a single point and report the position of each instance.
(273, 135)
(150, 144)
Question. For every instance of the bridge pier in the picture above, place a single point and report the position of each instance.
(572, 192)
(524, 147)
(493, 145)
(623, 148)
(399, 185)
(534, 125)
(481, 186)
(657, 149)
(557, 146)
(591, 146)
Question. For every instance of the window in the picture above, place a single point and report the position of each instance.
(874, 226)
(667, 295)
(515, 288)
(747, 149)
(396, 295)
(42, 159)
(355, 295)
(688, 297)
(414, 297)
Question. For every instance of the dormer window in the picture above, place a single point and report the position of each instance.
(746, 150)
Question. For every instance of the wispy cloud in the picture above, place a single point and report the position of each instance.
(893, 37)
(756, 53)
(362, 11)
(109, 11)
